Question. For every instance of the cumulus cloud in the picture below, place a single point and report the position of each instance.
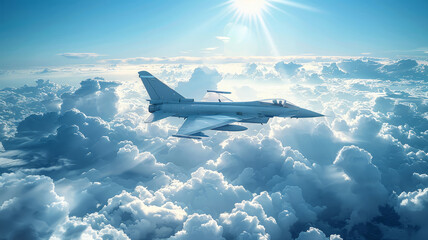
(75, 228)
(137, 219)
(187, 154)
(199, 226)
(243, 163)
(361, 68)
(239, 225)
(219, 195)
(287, 69)
(366, 192)
(332, 70)
(413, 207)
(19, 103)
(251, 68)
(94, 98)
(316, 234)
(92, 169)
(202, 79)
(30, 208)
(372, 69)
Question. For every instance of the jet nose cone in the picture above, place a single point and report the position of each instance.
(304, 113)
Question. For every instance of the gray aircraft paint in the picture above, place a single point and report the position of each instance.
(201, 116)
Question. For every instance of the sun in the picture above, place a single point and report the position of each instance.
(251, 14)
(249, 8)
(254, 15)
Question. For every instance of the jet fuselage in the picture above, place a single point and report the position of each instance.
(254, 109)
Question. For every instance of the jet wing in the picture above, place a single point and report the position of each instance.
(194, 125)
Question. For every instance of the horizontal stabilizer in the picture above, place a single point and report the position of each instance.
(156, 116)
(199, 134)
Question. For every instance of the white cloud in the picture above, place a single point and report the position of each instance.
(287, 69)
(219, 59)
(80, 55)
(219, 195)
(107, 174)
(94, 98)
(414, 203)
(223, 38)
(209, 49)
(202, 79)
(366, 192)
(316, 234)
(29, 206)
(199, 226)
(141, 220)
(413, 210)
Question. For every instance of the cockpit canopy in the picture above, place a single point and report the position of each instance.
(277, 101)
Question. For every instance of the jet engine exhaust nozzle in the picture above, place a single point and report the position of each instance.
(153, 108)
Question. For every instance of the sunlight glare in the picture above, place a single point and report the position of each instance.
(252, 13)
(249, 7)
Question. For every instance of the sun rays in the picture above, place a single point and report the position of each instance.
(249, 8)
(253, 15)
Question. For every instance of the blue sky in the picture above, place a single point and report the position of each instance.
(35, 33)
(74, 143)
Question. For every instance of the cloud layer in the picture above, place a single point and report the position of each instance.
(79, 163)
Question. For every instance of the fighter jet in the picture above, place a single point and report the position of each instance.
(215, 111)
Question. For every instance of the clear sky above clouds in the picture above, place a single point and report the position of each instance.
(38, 33)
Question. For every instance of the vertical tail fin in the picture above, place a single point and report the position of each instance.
(157, 90)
